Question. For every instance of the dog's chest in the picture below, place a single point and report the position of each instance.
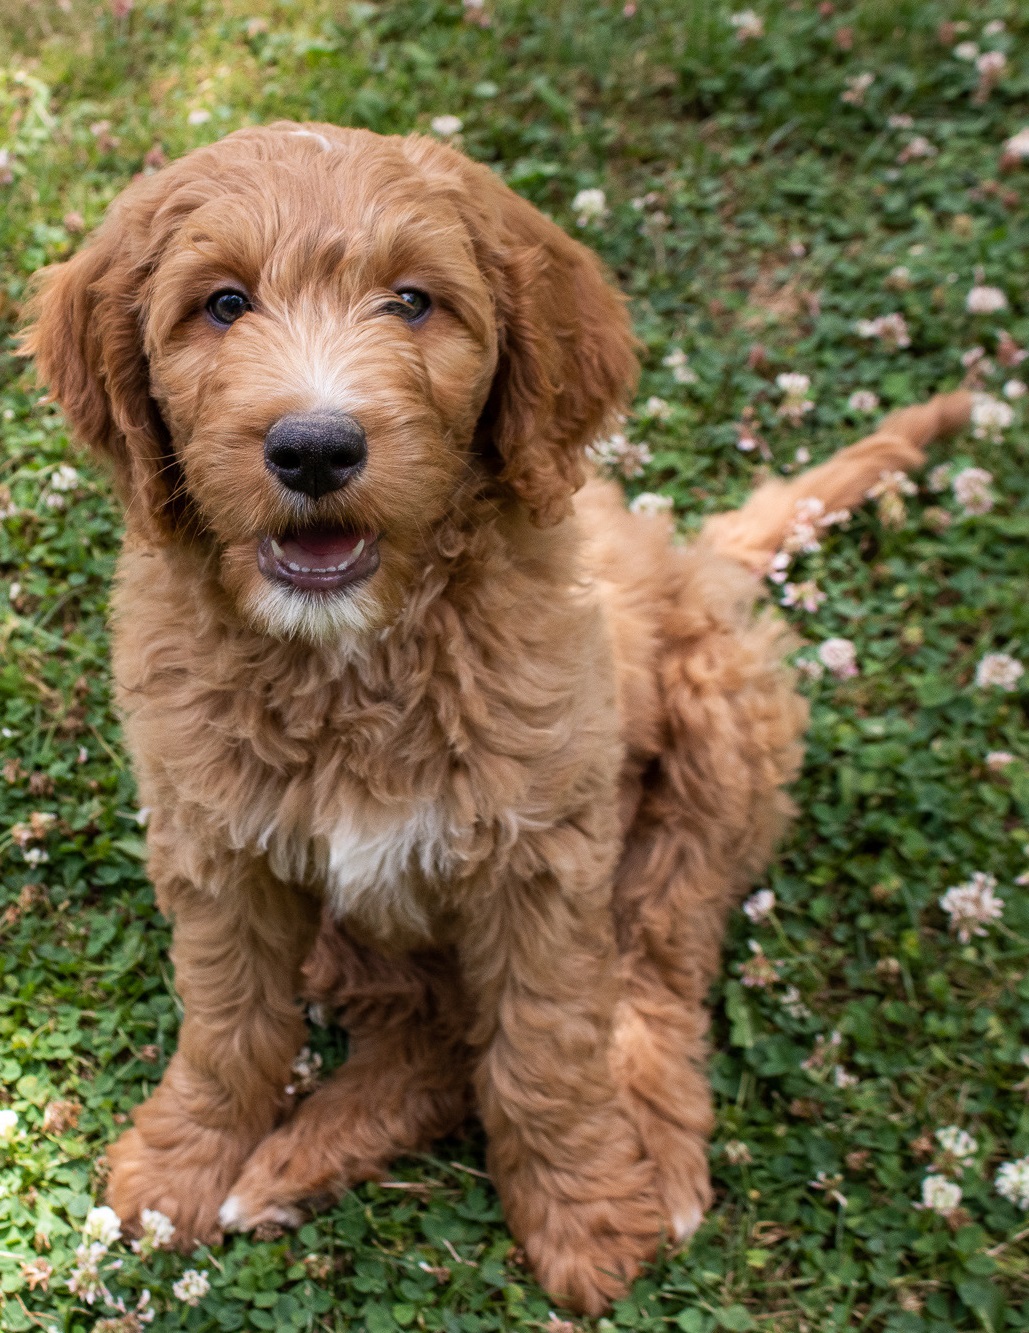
(378, 864)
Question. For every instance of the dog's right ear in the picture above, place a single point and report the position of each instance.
(85, 332)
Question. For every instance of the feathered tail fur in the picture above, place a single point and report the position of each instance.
(755, 532)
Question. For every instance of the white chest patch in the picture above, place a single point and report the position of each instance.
(378, 859)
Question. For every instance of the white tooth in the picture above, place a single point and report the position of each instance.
(305, 569)
(293, 567)
(276, 550)
(352, 556)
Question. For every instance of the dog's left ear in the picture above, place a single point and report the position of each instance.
(567, 364)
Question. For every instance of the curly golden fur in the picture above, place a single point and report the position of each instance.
(492, 800)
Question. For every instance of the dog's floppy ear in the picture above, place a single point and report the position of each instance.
(86, 336)
(567, 364)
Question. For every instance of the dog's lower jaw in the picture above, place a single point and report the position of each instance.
(348, 616)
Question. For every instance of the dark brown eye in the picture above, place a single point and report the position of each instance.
(410, 304)
(228, 306)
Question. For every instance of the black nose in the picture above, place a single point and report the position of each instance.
(315, 452)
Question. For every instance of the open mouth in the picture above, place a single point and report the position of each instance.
(319, 559)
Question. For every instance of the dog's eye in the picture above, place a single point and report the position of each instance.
(226, 307)
(410, 304)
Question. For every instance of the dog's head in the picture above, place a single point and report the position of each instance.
(299, 344)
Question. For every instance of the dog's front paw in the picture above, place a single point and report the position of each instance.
(289, 1175)
(683, 1179)
(186, 1177)
(588, 1254)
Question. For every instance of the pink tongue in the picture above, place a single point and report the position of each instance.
(311, 549)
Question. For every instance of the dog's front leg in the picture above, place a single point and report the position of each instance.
(578, 1193)
(238, 947)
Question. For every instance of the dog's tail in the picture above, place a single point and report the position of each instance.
(754, 533)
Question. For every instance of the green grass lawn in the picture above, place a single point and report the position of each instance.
(763, 193)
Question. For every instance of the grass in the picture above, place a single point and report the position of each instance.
(774, 216)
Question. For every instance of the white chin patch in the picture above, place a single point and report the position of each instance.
(290, 613)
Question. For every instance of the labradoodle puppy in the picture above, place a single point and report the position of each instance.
(481, 765)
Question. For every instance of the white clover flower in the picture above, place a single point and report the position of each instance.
(892, 330)
(678, 363)
(972, 906)
(8, 1125)
(306, 1069)
(64, 478)
(842, 1077)
(939, 478)
(589, 206)
(966, 51)
(994, 28)
(793, 385)
(35, 856)
(620, 455)
(446, 126)
(839, 657)
(918, 147)
(991, 64)
(822, 1054)
(971, 488)
(53, 501)
(999, 759)
(103, 1225)
(795, 400)
(1012, 1182)
(778, 566)
(747, 24)
(198, 117)
(990, 417)
(863, 400)
(940, 1195)
(759, 905)
(901, 121)
(85, 1280)
(657, 408)
(794, 1005)
(651, 505)
(807, 595)
(191, 1287)
(810, 668)
(899, 278)
(1014, 389)
(1000, 669)
(982, 300)
(158, 1231)
(891, 483)
(857, 86)
(737, 1153)
(958, 1142)
(1016, 149)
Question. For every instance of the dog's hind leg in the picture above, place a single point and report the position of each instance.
(405, 1083)
(710, 808)
(724, 736)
